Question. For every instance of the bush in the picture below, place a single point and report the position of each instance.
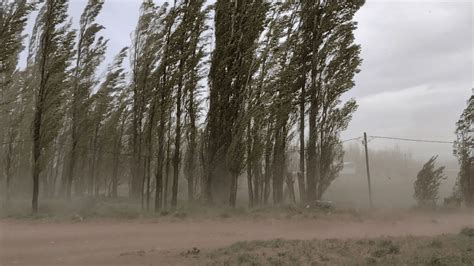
(467, 232)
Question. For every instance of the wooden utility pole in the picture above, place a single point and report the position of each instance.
(368, 169)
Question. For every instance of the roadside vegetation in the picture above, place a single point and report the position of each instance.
(441, 250)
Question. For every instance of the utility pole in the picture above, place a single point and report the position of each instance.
(368, 170)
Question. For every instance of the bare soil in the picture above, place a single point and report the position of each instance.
(177, 241)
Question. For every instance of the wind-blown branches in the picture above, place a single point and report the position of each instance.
(90, 53)
(237, 27)
(53, 58)
(463, 147)
(270, 65)
(328, 37)
(13, 18)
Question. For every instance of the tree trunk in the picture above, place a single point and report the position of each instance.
(8, 166)
(114, 189)
(311, 166)
(36, 155)
(177, 147)
(118, 145)
(301, 174)
(167, 167)
(290, 181)
(191, 149)
(159, 186)
(70, 169)
(159, 195)
(278, 170)
(233, 189)
(258, 182)
(249, 167)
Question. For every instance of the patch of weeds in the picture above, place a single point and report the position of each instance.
(282, 254)
(275, 261)
(394, 249)
(323, 258)
(387, 247)
(164, 213)
(293, 260)
(276, 243)
(191, 252)
(370, 261)
(434, 262)
(469, 232)
(385, 243)
(241, 245)
(436, 244)
(247, 259)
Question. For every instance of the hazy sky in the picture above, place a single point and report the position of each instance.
(416, 76)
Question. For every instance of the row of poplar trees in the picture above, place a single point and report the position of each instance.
(211, 92)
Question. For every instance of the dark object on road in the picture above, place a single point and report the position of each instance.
(321, 204)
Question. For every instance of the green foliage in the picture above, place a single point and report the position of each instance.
(462, 148)
(270, 63)
(13, 18)
(328, 39)
(237, 28)
(469, 232)
(427, 183)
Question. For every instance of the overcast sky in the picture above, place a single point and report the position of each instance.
(416, 76)
(417, 72)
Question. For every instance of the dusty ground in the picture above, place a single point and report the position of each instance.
(164, 241)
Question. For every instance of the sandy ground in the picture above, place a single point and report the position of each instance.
(158, 242)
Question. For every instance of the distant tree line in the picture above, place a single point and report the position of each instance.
(211, 92)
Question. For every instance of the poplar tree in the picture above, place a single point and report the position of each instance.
(52, 62)
(89, 54)
(463, 149)
(259, 100)
(193, 74)
(186, 41)
(238, 25)
(143, 52)
(328, 40)
(107, 119)
(427, 183)
(13, 18)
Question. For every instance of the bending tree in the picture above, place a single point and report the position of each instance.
(328, 39)
(463, 146)
(89, 54)
(52, 61)
(238, 25)
(13, 17)
(427, 183)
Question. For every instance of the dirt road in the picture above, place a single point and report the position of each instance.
(148, 242)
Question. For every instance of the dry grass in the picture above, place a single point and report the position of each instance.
(440, 250)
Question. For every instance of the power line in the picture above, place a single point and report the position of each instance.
(414, 140)
(130, 154)
(347, 140)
